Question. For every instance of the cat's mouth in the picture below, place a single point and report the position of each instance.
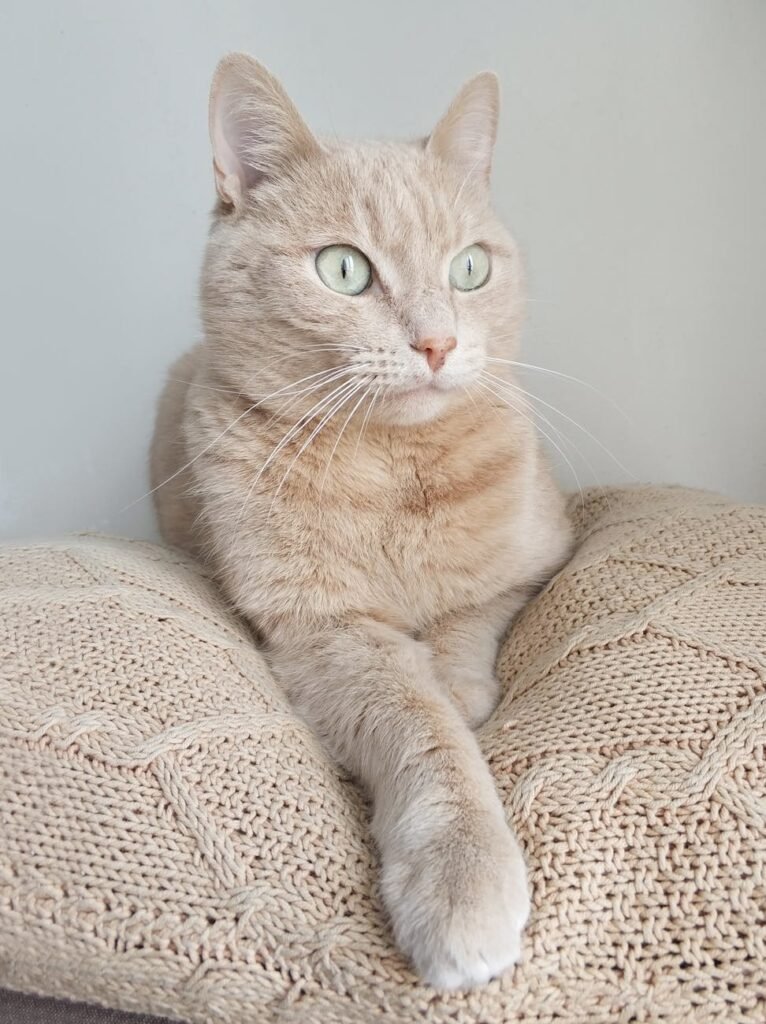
(418, 389)
(429, 387)
(418, 403)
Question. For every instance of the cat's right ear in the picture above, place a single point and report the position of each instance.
(255, 130)
(465, 136)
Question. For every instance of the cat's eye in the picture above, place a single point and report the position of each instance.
(469, 269)
(344, 269)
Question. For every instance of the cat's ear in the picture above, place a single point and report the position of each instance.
(465, 136)
(255, 130)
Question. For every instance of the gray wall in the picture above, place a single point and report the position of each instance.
(631, 165)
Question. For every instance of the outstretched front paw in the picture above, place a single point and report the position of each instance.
(459, 903)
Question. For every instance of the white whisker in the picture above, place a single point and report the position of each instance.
(469, 395)
(222, 367)
(346, 391)
(190, 462)
(365, 421)
(297, 427)
(530, 420)
(326, 376)
(569, 419)
(559, 433)
(564, 376)
(220, 436)
(346, 422)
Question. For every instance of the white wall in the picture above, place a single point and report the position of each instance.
(631, 164)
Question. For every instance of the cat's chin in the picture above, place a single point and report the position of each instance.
(416, 405)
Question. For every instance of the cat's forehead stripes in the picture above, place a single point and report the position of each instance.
(392, 201)
(402, 208)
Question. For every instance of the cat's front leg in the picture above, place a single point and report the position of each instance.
(453, 877)
(464, 646)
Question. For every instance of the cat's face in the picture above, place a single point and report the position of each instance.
(344, 273)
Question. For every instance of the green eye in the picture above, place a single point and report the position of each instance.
(469, 269)
(344, 269)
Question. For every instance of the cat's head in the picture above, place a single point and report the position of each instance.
(354, 269)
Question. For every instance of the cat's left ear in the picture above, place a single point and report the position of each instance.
(255, 130)
(465, 136)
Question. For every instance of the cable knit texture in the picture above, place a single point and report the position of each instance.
(174, 840)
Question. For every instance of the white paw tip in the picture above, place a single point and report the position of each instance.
(479, 971)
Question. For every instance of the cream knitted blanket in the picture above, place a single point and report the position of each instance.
(173, 839)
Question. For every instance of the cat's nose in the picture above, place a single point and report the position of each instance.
(435, 350)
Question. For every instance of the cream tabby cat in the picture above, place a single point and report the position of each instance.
(334, 452)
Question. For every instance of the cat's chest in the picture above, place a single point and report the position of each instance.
(437, 534)
(406, 533)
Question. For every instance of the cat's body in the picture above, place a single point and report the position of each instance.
(406, 527)
(380, 554)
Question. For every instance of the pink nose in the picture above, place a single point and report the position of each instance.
(436, 350)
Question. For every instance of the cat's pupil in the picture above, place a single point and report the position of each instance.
(346, 266)
(469, 265)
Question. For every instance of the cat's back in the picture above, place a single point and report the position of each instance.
(169, 462)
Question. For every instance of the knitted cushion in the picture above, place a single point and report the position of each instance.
(174, 840)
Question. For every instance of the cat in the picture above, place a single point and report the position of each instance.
(336, 453)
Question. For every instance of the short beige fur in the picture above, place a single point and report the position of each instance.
(378, 522)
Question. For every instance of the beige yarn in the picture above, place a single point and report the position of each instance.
(173, 840)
